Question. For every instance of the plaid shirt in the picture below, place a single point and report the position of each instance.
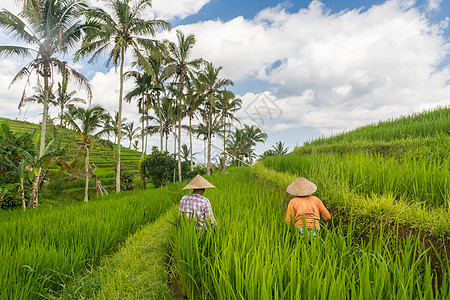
(194, 203)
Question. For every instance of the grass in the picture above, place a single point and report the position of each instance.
(424, 124)
(253, 254)
(137, 271)
(433, 221)
(419, 181)
(48, 246)
(100, 157)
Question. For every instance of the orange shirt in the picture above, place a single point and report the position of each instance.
(310, 208)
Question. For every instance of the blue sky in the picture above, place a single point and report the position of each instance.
(303, 69)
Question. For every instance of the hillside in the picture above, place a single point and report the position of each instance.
(59, 187)
(397, 168)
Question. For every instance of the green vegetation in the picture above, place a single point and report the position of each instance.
(253, 254)
(64, 185)
(418, 182)
(424, 124)
(50, 246)
(137, 271)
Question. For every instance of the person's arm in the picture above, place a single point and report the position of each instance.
(324, 213)
(290, 212)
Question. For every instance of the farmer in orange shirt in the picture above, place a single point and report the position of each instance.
(305, 207)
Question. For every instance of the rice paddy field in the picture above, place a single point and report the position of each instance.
(59, 187)
(388, 238)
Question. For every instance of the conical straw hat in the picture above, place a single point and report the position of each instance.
(198, 183)
(301, 187)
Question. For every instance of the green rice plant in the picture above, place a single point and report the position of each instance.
(48, 246)
(416, 181)
(253, 254)
(427, 123)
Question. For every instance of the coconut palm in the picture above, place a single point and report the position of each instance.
(193, 100)
(118, 30)
(254, 135)
(228, 105)
(131, 132)
(167, 118)
(238, 145)
(87, 122)
(140, 92)
(212, 86)
(279, 149)
(48, 29)
(154, 65)
(63, 98)
(40, 96)
(181, 67)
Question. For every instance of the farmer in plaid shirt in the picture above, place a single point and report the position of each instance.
(195, 205)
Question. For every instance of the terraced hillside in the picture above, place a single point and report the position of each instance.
(102, 157)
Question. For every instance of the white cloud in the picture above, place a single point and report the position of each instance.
(359, 65)
(168, 10)
(434, 4)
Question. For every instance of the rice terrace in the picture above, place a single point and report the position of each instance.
(133, 166)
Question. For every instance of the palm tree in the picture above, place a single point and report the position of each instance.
(108, 126)
(238, 145)
(279, 149)
(181, 68)
(120, 29)
(227, 106)
(211, 84)
(167, 113)
(142, 87)
(40, 96)
(49, 29)
(86, 123)
(130, 131)
(154, 65)
(185, 152)
(254, 135)
(64, 98)
(204, 130)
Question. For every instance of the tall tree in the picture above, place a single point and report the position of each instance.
(87, 122)
(154, 65)
(167, 113)
(227, 105)
(140, 92)
(48, 29)
(130, 131)
(193, 100)
(117, 30)
(254, 135)
(181, 67)
(212, 86)
(64, 98)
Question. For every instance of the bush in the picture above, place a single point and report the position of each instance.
(159, 166)
(126, 179)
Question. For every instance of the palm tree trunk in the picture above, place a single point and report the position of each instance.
(44, 116)
(208, 165)
(160, 119)
(179, 139)
(24, 205)
(190, 142)
(119, 123)
(86, 168)
(174, 143)
(167, 140)
(142, 141)
(35, 189)
(224, 141)
(61, 117)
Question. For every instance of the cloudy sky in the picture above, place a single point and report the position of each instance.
(304, 69)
